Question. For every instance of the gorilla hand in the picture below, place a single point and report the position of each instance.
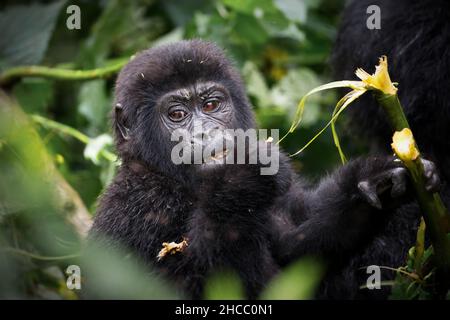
(394, 183)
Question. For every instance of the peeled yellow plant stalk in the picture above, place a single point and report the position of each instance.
(172, 248)
(433, 210)
(404, 145)
(380, 80)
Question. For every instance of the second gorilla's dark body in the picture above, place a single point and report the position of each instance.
(232, 216)
(415, 36)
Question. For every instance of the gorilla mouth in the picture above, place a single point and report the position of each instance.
(216, 157)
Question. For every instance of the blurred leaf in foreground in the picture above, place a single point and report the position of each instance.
(299, 281)
(224, 286)
(116, 274)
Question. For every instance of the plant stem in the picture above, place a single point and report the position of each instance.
(433, 210)
(53, 125)
(58, 73)
(392, 106)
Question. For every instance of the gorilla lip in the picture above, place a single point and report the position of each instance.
(216, 157)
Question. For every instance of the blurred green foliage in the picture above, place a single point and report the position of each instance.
(281, 48)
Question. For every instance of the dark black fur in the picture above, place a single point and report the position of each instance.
(415, 36)
(232, 216)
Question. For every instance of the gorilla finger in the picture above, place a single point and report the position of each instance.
(433, 184)
(382, 182)
(399, 182)
(369, 193)
(433, 181)
(429, 168)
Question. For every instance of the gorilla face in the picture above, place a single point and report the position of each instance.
(208, 103)
(200, 113)
(179, 86)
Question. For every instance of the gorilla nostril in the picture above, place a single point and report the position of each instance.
(199, 138)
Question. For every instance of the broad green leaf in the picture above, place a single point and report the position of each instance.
(122, 26)
(25, 32)
(292, 31)
(34, 94)
(210, 27)
(298, 281)
(181, 12)
(173, 36)
(256, 84)
(224, 286)
(248, 30)
(270, 17)
(94, 104)
(116, 274)
(295, 10)
(251, 6)
(295, 84)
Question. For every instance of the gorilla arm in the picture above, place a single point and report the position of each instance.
(344, 212)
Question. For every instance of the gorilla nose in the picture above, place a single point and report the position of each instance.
(205, 136)
(199, 138)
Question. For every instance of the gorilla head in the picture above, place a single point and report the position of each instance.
(171, 87)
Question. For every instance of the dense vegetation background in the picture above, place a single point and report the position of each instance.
(56, 152)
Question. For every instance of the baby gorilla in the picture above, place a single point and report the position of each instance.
(231, 216)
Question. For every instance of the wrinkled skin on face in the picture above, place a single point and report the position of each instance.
(201, 112)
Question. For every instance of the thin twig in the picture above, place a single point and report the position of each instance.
(38, 257)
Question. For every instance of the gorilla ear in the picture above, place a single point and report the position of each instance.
(120, 125)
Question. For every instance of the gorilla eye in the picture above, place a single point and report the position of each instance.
(177, 115)
(210, 105)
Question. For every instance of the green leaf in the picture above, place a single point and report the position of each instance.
(256, 84)
(66, 130)
(181, 12)
(122, 26)
(250, 6)
(25, 32)
(249, 30)
(34, 94)
(95, 146)
(419, 249)
(298, 281)
(108, 172)
(273, 117)
(116, 274)
(295, 84)
(211, 27)
(292, 31)
(294, 10)
(173, 36)
(94, 104)
(270, 17)
(224, 286)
